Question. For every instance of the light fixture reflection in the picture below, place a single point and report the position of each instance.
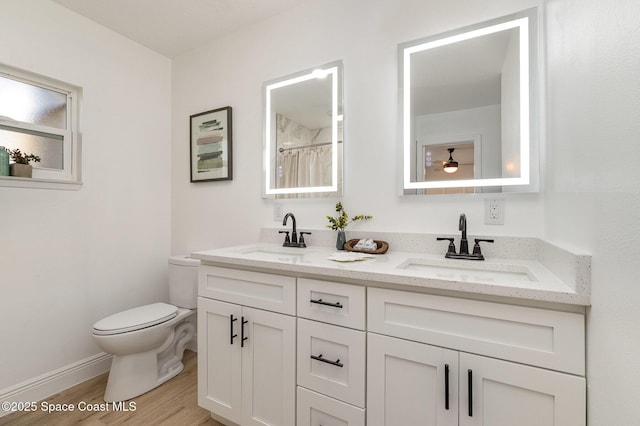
(319, 73)
(451, 166)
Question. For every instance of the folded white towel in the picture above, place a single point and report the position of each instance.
(349, 256)
(366, 244)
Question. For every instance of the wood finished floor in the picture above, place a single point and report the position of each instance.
(173, 403)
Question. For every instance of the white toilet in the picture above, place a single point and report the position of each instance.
(148, 342)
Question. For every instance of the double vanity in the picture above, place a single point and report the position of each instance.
(302, 336)
(287, 336)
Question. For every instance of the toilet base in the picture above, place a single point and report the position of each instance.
(134, 374)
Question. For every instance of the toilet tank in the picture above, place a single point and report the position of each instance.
(183, 281)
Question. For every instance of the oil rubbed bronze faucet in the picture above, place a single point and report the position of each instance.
(462, 226)
(293, 240)
(464, 245)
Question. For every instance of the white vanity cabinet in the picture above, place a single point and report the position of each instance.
(419, 372)
(288, 350)
(246, 356)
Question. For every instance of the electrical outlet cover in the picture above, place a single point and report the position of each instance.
(494, 211)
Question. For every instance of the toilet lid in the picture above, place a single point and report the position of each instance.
(135, 319)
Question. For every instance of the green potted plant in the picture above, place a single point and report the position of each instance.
(340, 222)
(20, 166)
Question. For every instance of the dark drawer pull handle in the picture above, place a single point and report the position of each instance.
(231, 321)
(470, 391)
(320, 302)
(446, 386)
(337, 362)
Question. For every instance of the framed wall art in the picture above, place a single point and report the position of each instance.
(211, 147)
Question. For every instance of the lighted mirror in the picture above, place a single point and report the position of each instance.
(468, 121)
(303, 133)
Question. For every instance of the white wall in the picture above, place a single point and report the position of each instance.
(69, 258)
(364, 35)
(592, 197)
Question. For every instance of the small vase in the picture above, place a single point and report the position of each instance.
(342, 239)
(21, 170)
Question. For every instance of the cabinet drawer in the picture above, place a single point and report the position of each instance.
(271, 292)
(331, 360)
(318, 410)
(540, 337)
(340, 304)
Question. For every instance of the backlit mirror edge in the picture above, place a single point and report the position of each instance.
(336, 69)
(529, 180)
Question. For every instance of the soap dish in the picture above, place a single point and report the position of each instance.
(383, 246)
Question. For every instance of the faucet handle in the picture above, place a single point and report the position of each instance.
(452, 246)
(476, 246)
(287, 241)
(301, 242)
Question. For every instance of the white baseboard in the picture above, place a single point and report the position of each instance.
(43, 386)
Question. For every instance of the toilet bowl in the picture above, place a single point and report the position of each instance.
(147, 342)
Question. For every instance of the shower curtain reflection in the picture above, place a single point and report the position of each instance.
(305, 166)
(303, 156)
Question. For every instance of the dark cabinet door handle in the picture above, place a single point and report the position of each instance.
(231, 335)
(470, 391)
(242, 336)
(337, 362)
(446, 386)
(321, 302)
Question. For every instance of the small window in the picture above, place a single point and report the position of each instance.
(39, 116)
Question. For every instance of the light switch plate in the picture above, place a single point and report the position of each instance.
(277, 213)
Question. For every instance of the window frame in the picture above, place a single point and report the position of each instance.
(69, 177)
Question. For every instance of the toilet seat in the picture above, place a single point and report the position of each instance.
(135, 319)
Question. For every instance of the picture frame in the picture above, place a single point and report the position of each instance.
(210, 145)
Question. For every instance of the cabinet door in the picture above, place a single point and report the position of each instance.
(505, 394)
(268, 368)
(407, 383)
(219, 358)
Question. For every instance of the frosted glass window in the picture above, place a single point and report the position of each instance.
(32, 104)
(40, 116)
(48, 147)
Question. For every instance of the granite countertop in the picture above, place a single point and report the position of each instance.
(543, 278)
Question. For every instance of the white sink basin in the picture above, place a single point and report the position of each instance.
(282, 254)
(468, 270)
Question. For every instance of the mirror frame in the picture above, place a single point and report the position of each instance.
(526, 22)
(334, 70)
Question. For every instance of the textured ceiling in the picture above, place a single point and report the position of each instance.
(172, 27)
